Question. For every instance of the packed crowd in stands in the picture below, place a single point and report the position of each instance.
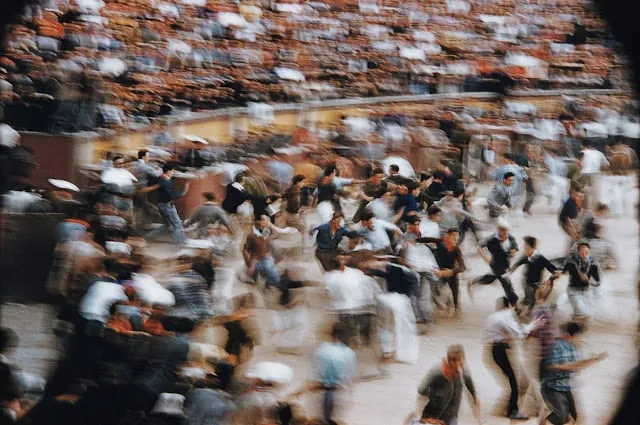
(143, 59)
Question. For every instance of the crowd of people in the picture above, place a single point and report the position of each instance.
(140, 60)
(171, 341)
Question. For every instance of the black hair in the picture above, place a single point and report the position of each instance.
(116, 157)
(329, 170)
(433, 210)
(394, 167)
(531, 241)
(366, 216)
(238, 178)
(425, 176)
(452, 231)
(297, 179)
(458, 191)
(142, 153)
(580, 155)
(414, 220)
(169, 166)
(377, 171)
(438, 175)
(337, 215)
(573, 328)
(507, 175)
(209, 196)
(581, 244)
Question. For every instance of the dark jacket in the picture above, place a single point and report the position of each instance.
(574, 266)
(500, 258)
(233, 199)
(439, 390)
(535, 267)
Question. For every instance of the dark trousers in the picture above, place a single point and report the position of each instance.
(328, 406)
(499, 352)
(530, 196)
(561, 404)
(467, 225)
(505, 281)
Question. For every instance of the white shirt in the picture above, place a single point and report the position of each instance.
(381, 209)
(429, 229)
(593, 161)
(378, 237)
(420, 258)
(98, 300)
(502, 326)
(350, 289)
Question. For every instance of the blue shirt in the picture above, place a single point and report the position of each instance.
(326, 241)
(166, 192)
(562, 352)
(334, 365)
(410, 204)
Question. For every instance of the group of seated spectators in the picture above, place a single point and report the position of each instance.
(144, 59)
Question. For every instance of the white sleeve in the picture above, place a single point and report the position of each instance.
(387, 226)
(515, 328)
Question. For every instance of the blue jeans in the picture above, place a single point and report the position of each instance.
(170, 214)
(268, 267)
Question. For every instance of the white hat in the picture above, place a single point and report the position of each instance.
(8, 136)
(63, 184)
(169, 404)
(195, 139)
(270, 372)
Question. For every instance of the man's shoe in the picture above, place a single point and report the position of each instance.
(518, 416)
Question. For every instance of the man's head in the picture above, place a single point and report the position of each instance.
(443, 166)
(413, 188)
(330, 171)
(239, 178)
(503, 231)
(209, 197)
(262, 223)
(168, 169)
(583, 251)
(458, 193)
(451, 238)
(376, 176)
(403, 190)
(336, 219)
(572, 330)
(434, 213)
(117, 161)
(298, 180)
(578, 197)
(530, 244)
(455, 357)
(143, 154)
(438, 176)
(367, 220)
(507, 179)
(394, 169)
(579, 159)
(413, 225)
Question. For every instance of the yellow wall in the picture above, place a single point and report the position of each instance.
(221, 130)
